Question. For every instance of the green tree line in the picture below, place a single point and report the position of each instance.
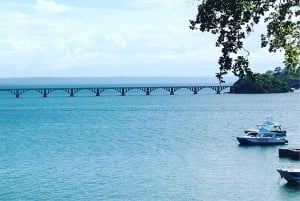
(276, 81)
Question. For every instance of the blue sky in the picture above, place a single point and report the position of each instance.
(110, 38)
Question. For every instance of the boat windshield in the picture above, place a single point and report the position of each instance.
(269, 127)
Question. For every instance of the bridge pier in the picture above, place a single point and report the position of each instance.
(218, 89)
(45, 93)
(122, 92)
(195, 91)
(71, 93)
(97, 92)
(172, 91)
(17, 93)
(147, 92)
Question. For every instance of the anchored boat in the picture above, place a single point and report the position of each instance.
(290, 175)
(269, 125)
(262, 137)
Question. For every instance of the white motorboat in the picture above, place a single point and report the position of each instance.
(269, 125)
(262, 137)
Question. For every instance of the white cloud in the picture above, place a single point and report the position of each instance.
(161, 3)
(50, 6)
(261, 60)
(103, 42)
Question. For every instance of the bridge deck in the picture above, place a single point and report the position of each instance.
(122, 90)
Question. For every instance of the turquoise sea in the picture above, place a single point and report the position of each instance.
(137, 147)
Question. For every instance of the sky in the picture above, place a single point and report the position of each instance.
(134, 38)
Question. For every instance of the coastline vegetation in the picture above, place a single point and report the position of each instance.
(277, 81)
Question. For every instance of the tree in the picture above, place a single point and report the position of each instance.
(232, 20)
(264, 83)
(288, 76)
(277, 70)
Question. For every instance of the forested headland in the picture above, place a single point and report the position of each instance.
(277, 81)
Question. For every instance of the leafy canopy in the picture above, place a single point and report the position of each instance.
(232, 20)
(264, 83)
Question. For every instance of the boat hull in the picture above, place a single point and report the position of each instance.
(293, 154)
(290, 176)
(249, 141)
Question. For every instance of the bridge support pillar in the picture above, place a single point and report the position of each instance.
(45, 93)
(123, 92)
(218, 89)
(71, 93)
(147, 91)
(195, 91)
(17, 93)
(97, 92)
(172, 91)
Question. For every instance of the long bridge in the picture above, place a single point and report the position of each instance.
(122, 90)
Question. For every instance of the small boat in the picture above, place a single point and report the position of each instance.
(269, 125)
(290, 175)
(293, 154)
(262, 137)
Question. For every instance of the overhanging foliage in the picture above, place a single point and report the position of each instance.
(232, 20)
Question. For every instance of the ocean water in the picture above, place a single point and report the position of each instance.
(137, 147)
